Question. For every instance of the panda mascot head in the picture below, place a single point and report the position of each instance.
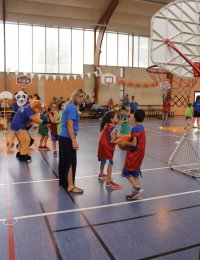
(21, 98)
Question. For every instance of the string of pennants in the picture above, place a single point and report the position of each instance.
(55, 76)
(114, 80)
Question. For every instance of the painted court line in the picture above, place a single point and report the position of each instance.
(23, 182)
(91, 176)
(80, 177)
(102, 206)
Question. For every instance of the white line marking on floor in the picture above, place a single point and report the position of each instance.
(23, 182)
(93, 176)
(117, 173)
(102, 206)
(81, 177)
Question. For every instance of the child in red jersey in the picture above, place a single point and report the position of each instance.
(54, 120)
(107, 143)
(134, 156)
(165, 110)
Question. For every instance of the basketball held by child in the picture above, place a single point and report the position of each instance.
(124, 139)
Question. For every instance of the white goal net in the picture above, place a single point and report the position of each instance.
(186, 156)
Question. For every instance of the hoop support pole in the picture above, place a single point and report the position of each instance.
(171, 44)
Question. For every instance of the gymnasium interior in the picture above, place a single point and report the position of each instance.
(110, 49)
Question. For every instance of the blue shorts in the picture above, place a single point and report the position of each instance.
(196, 114)
(132, 112)
(103, 161)
(54, 138)
(127, 174)
(188, 117)
(165, 112)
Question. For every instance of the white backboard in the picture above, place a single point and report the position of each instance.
(179, 21)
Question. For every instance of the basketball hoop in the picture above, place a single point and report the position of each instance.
(175, 89)
(23, 81)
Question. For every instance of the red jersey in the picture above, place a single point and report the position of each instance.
(53, 126)
(166, 106)
(106, 148)
(134, 157)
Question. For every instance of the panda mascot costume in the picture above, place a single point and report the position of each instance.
(21, 101)
(19, 125)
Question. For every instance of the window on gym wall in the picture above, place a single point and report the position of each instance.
(149, 53)
(143, 52)
(88, 47)
(58, 50)
(38, 49)
(112, 49)
(135, 51)
(123, 50)
(12, 47)
(130, 51)
(25, 48)
(51, 50)
(77, 51)
(65, 50)
(1, 47)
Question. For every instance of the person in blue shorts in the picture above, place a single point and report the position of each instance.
(133, 105)
(134, 156)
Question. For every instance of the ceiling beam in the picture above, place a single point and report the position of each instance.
(102, 27)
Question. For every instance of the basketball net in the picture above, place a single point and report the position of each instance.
(176, 90)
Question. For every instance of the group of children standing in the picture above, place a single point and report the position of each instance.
(54, 117)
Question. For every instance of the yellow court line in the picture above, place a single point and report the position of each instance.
(180, 129)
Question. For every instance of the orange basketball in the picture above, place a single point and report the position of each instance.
(122, 139)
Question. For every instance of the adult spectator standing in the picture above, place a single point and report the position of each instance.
(125, 101)
(196, 114)
(68, 144)
(133, 105)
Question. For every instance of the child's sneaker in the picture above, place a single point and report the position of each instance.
(135, 195)
(102, 177)
(55, 154)
(114, 186)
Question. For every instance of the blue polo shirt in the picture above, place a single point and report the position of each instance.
(69, 113)
(196, 106)
(133, 106)
(21, 118)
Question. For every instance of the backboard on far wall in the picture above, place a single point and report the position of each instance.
(179, 23)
